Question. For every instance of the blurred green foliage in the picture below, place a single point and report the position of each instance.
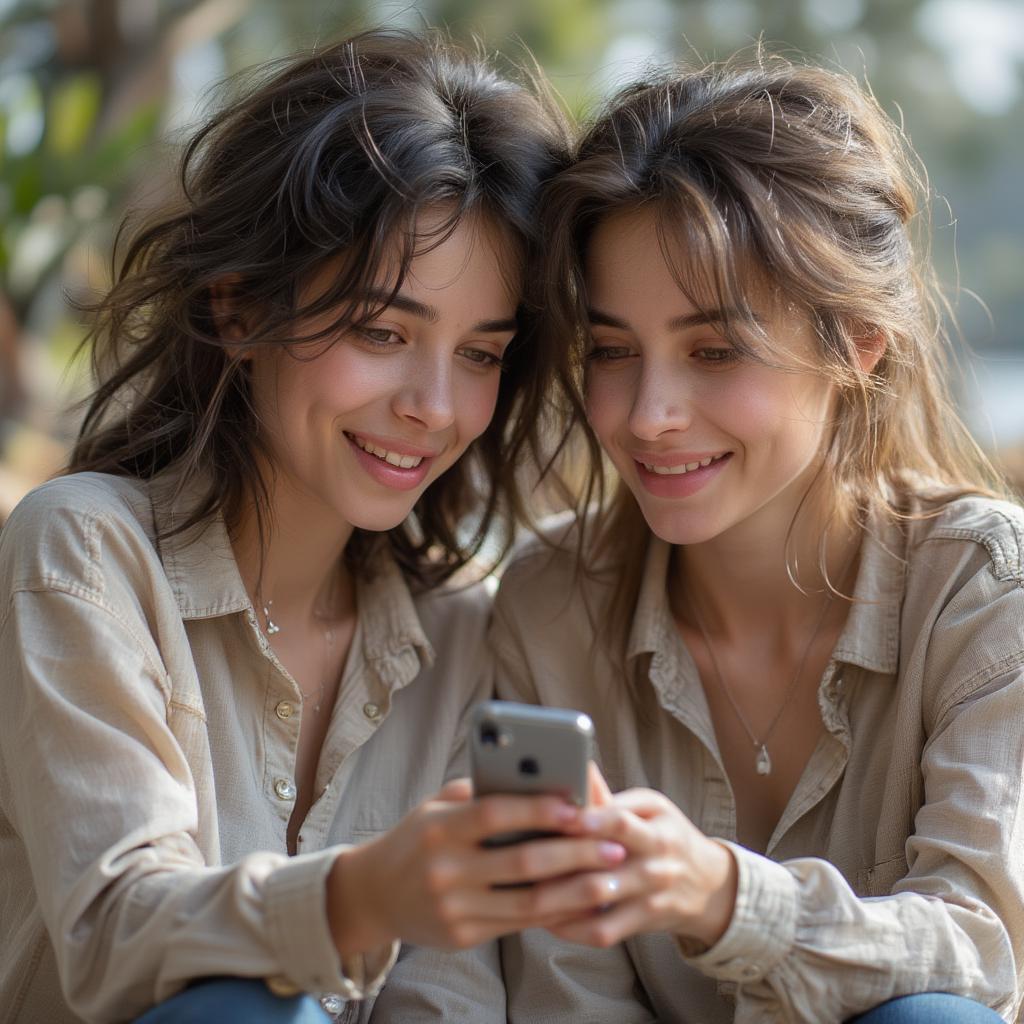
(94, 93)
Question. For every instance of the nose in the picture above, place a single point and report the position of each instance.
(426, 398)
(660, 403)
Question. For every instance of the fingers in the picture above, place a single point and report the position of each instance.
(538, 905)
(646, 803)
(541, 859)
(456, 790)
(645, 879)
(614, 925)
(490, 816)
(620, 825)
(599, 795)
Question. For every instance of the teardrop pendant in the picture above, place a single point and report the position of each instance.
(272, 627)
(764, 762)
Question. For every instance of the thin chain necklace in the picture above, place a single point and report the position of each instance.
(763, 761)
(271, 628)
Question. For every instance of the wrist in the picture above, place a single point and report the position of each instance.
(354, 905)
(719, 879)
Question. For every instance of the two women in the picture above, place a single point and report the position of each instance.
(798, 618)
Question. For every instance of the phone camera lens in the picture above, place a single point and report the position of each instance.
(489, 734)
(529, 766)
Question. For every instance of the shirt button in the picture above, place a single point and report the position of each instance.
(285, 789)
(748, 972)
(332, 1003)
(285, 710)
(372, 712)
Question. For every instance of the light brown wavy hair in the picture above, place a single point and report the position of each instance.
(332, 152)
(769, 176)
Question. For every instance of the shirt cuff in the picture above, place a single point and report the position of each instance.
(295, 904)
(763, 924)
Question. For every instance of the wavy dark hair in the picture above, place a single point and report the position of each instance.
(770, 176)
(332, 152)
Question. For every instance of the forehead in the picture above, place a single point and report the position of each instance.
(472, 261)
(627, 263)
(648, 256)
(476, 258)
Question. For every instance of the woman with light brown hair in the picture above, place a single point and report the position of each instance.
(799, 615)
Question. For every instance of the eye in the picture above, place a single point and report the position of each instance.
(608, 353)
(717, 354)
(378, 337)
(482, 358)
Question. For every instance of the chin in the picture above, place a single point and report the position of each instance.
(680, 528)
(379, 523)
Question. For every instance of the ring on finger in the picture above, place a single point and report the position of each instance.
(611, 886)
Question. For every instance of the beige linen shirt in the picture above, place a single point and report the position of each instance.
(898, 864)
(147, 750)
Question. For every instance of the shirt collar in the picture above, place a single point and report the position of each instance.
(199, 562)
(870, 637)
(203, 574)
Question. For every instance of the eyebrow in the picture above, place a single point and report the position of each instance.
(676, 323)
(431, 314)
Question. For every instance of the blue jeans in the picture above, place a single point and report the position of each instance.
(929, 1008)
(234, 1001)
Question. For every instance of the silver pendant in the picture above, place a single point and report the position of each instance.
(272, 627)
(763, 762)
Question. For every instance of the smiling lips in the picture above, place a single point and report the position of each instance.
(682, 467)
(399, 470)
(681, 478)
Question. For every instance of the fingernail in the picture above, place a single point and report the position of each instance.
(567, 813)
(612, 852)
(590, 820)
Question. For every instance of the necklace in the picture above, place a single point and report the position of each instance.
(271, 628)
(763, 761)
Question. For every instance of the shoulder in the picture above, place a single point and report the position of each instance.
(455, 613)
(549, 557)
(963, 606)
(550, 589)
(74, 530)
(977, 529)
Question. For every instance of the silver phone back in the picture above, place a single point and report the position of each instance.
(525, 749)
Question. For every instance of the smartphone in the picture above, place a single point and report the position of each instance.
(524, 749)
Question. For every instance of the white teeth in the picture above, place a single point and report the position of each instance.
(688, 467)
(402, 461)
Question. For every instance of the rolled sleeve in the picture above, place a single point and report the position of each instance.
(295, 909)
(763, 924)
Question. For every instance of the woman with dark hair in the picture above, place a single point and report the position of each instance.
(800, 616)
(235, 659)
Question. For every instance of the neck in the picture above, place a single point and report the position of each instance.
(761, 565)
(298, 562)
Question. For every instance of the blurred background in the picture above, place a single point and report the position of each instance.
(96, 96)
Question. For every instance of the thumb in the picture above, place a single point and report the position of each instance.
(458, 790)
(599, 795)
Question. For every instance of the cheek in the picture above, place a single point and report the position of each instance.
(787, 415)
(476, 399)
(607, 403)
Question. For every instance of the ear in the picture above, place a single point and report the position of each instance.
(229, 309)
(870, 344)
